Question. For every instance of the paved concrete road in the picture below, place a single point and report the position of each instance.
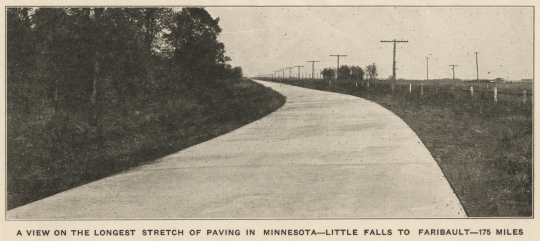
(321, 155)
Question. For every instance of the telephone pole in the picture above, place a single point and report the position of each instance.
(313, 68)
(394, 62)
(453, 73)
(477, 78)
(289, 68)
(337, 70)
(427, 68)
(299, 70)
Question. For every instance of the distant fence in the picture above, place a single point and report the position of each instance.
(496, 93)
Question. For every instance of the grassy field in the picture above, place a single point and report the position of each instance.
(47, 156)
(484, 149)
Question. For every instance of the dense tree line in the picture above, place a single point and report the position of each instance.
(352, 72)
(82, 55)
(79, 77)
(78, 58)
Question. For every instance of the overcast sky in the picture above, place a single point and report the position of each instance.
(264, 39)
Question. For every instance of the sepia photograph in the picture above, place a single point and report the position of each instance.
(268, 112)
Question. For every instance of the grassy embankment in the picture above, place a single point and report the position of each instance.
(48, 155)
(484, 149)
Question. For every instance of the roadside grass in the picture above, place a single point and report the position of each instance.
(46, 156)
(484, 149)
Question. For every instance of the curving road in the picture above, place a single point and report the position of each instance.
(321, 155)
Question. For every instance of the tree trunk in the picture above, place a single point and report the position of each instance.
(94, 96)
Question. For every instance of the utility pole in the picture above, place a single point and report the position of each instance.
(313, 68)
(427, 68)
(453, 73)
(289, 68)
(337, 70)
(394, 62)
(477, 78)
(299, 70)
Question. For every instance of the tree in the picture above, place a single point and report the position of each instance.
(357, 73)
(371, 71)
(193, 36)
(237, 72)
(156, 20)
(18, 46)
(344, 72)
(328, 73)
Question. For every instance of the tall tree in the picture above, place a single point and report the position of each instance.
(344, 72)
(371, 71)
(357, 73)
(193, 36)
(19, 46)
(328, 73)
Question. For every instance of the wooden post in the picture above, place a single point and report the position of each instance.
(495, 94)
(368, 84)
(472, 93)
(421, 89)
(524, 96)
(410, 88)
(357, 85)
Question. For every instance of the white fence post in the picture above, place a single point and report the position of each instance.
(472, 93)
(495, 94)
(421, 89)
(410, 88)
(524, 96)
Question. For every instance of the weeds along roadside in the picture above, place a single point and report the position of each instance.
(483, 148)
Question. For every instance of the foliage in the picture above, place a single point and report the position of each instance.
(344, 72)
(78, 80)
(193, 37)
(328, 73)
(371, 71)
(357, 73)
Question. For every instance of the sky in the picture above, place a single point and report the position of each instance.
(264, 39)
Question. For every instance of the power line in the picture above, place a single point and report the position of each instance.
(313, 67)
(337, 70)
(394, 62)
